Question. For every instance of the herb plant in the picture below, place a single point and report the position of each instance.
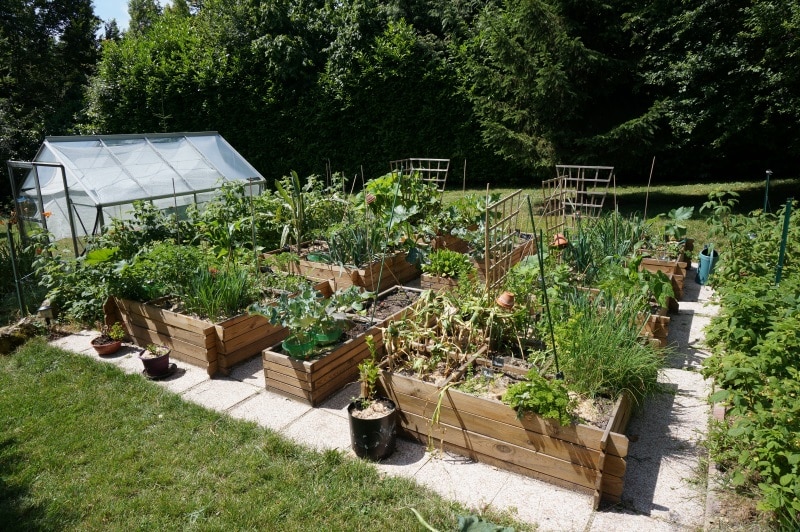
(548, 398)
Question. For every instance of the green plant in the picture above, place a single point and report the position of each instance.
(368, 373)
(674, 228)
(308, 311)
(399, 197)
(720, 206)
(355, 244)
(599, 349)
(218, 294)
(116, 332)
(548, 398)
(292, 194)
(155, 350)
(447, 263)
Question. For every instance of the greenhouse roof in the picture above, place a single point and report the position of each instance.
(115, 169)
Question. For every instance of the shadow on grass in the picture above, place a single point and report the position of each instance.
(16, 511)
(751, 197)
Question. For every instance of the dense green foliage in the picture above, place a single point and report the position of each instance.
(706, 86)
(754, 364)
(48, 50)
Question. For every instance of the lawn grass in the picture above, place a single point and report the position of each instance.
(84, 446)
(660, 199)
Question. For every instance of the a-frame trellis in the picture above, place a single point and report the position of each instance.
(576, 191)
(504, 244)
(433, 171)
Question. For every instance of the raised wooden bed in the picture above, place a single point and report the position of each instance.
(396, 270)
(657, 327)
(578, 457)
(213, 346)
(674, 270)
(437, 282)
(451, 242)
(313, 381)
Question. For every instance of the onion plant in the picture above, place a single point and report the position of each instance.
(600, 349)
(218, 294)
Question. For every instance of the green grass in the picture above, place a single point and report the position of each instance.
(84, 446)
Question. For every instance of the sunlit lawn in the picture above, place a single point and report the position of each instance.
(84, 446)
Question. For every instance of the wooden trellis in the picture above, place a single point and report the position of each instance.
(576, 191)
(504, 245)
(431, 170)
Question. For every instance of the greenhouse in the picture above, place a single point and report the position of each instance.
(77, 184)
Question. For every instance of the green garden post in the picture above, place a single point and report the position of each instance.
(786, 215)
(766, 191)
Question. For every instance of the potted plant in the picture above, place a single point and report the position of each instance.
(156, 361)
(110, 339)
(373, 420)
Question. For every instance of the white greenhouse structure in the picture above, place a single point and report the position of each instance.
(77, 184)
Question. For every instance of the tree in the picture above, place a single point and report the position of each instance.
(526, 74)
(143, 13)
(111, 31)
(47, 52)
(724, 76)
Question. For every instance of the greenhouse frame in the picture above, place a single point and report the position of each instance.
(76, 184)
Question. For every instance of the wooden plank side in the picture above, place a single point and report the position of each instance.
(490, 460)
(228, 360)
(241, 325)
(288, 370)
(194, 354)
(290, 391)
(158, 314)
(498, 453)
(580, 434)
(250, 337)
(200, 339)
(514, 435)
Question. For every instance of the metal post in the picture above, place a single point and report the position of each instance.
(786, 215)
(766, 192)
(17, 281)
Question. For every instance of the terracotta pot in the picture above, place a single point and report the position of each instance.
(559, 241)
(505, 300)
(106, 348)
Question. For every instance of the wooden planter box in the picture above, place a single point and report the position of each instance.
(675, 270)
(396, 270)
(579, 457)
(436, 282)
(313, 381)
(213, 346)
(451, 242)
(657, 327)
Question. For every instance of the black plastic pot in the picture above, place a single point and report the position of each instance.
(155, 366)
(373, 439)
